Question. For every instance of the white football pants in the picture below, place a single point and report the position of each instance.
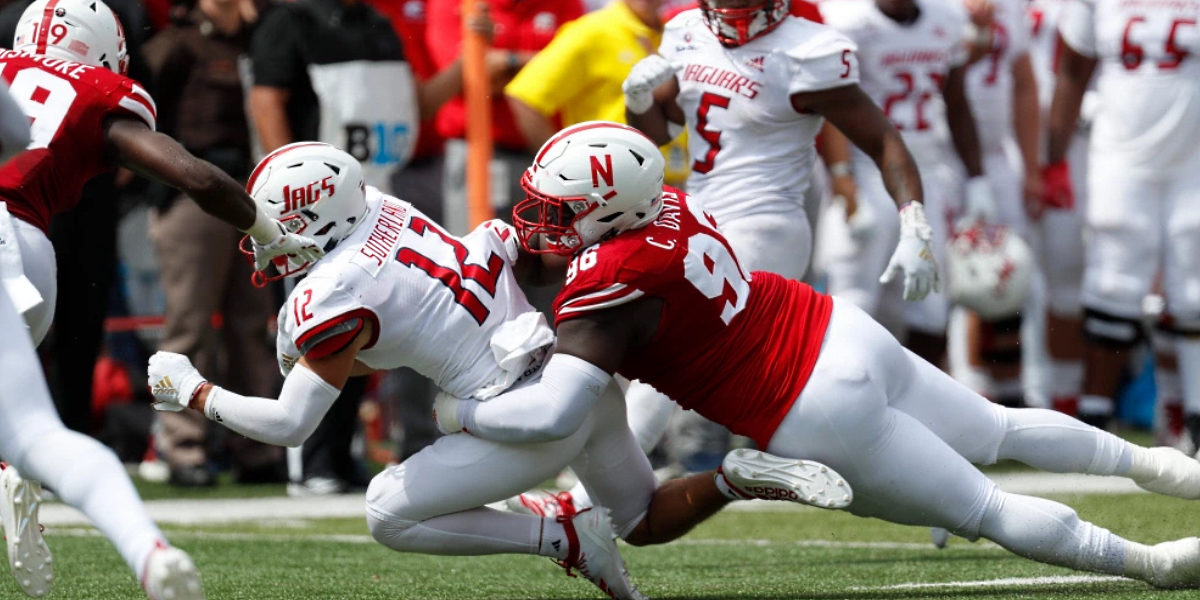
(80, 470)
(38, 263)
(904, 435)
(433, 502)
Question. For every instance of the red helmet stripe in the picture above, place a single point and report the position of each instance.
(272, 156)
(43, 33)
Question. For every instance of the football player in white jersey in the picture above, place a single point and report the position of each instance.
(1143, 213)
(396, 290)
(913, 59)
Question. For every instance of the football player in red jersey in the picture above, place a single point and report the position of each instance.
(654, 292)
(67, 73)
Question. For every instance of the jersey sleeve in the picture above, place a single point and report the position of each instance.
(128, 97)
(826, 60)
(596, 281)
(1077, 25)
(322, 318)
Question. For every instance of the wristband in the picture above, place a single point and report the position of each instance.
(840, 169)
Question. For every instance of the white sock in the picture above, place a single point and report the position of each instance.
(87, 475)
(1052, 441)
(553, 540)
(1053, 533)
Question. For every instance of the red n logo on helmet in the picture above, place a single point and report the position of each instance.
(600, 171)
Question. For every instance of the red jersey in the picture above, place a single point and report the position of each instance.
(67, 104)
(735, 348)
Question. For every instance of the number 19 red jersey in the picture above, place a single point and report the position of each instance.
(734, 348)
(67, 104)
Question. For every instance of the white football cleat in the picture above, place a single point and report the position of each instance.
(1171, 473)
(28, 555)
(170, 574)
(542, 503)
(940, 537)
(755, 474)
(593, 552)
(1175, 564)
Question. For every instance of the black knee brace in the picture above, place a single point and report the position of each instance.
(1109, 330)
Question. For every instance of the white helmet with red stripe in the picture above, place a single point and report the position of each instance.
(736, 22)
(989, 270)
(83, 31)
(589, 182)
(314, 190)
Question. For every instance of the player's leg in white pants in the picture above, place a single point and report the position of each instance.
(38, 263)
(82, 472)
(1181, 281)
(432, 502)
(903, 434)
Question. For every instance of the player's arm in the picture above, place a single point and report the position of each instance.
(834, 148)
(1026, 126)
(854, 114)
(309, 390)
(534, 126)
(1074, 72)
(961, 122)
(650, 91)
(268, 108)
(590, 349)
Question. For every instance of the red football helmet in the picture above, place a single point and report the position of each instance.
(744, 21)
(589, 182)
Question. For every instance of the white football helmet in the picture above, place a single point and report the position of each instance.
(313, 189)
(588, 183)
(736, 26)
(83, 31)
(988, 270)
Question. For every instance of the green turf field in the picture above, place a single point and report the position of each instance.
(790, 553)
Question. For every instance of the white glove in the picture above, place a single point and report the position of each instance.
(647, 74)
(304, 249)
(173, 381)
(979, 205)
(914, 255)
(445, 413)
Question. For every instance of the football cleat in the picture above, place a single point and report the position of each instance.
(592, 551)
(1172, 473)
(28, 555)
(542, 503)
(1175, 564)
(755, 474)
(170, 574)
(940, 537)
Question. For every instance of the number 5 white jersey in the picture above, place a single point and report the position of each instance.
(752, 153)
(1148, 117)
(447, 307)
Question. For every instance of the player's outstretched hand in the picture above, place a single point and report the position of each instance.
(914, 255)
(303, 248)
(647, 74)
(173, 381)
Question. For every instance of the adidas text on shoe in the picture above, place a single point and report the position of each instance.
(593, 552)
(28, 555)
(756, 474)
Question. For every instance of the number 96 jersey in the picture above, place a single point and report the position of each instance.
(735, 348)
(752, 153)
(447, 307)
(67, 104)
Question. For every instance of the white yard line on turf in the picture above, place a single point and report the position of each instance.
(986, 583)
(227, 510)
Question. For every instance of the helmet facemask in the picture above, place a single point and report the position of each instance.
(737, 26)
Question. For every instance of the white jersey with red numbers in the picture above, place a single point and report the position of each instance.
(1148, 80)
(447, 307)
(904, 65)
(752, 153)
(1043, 16)
(990, 80)
(733, 347)
(67, 104)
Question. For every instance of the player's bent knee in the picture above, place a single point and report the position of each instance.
(389, 531)
(1110, 330)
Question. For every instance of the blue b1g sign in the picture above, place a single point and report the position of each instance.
(378, 143)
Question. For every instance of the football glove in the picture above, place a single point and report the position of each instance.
(445, 413)
(303, 249)
(647, 74)
(980, 206)
(914, 255)
(173, 381)
(1056, 186)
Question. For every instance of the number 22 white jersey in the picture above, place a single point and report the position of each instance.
(904, 65)
(447, 307)
(752, 153)
(1148, 80)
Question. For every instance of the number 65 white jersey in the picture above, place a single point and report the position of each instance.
(447, 307)
(751, 152)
